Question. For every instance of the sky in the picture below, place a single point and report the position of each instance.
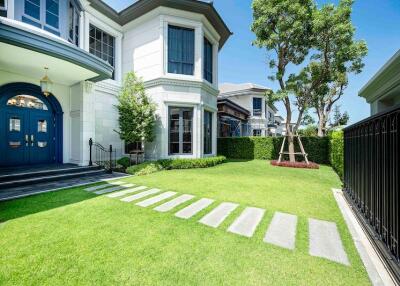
(376, 22)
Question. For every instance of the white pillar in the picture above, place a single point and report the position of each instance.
(198, 52)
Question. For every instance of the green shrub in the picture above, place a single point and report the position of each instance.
(192, 163)
(144, 168)
(169, 164)
(267, 148)
(124, 162)
(336, 151)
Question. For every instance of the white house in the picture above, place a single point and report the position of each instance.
(87, 47)
(252, 97)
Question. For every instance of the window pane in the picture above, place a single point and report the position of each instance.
(42, 126)
(208, 57)
(52, 12)
(101, 45)
(15, 124)
(257, 106)
(180, 50)
(27, 101)
(207, 132)
(42, 144)
(32, 8)
(52, 20)
(180, 130)
(2, 4)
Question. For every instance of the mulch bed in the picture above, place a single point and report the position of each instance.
(304, 165)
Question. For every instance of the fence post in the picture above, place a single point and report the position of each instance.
(111, 168)
(90, 152)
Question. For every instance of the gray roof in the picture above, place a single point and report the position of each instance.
(142, 7)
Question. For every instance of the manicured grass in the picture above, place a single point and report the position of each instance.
(73, 237)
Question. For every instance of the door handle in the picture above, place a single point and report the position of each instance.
(32, 140)
(26, 140)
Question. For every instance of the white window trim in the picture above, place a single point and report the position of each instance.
(184, 23)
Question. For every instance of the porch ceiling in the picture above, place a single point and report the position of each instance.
(26, 50)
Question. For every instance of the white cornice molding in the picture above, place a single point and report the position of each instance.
(178, 82)
(108, 86)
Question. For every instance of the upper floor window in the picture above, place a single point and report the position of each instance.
(73, 23)
(43, 14)
(208, 61)
(257, 104)
(180, 50)
(101, 44)
(3, 8)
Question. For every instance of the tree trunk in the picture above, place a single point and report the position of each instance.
(289, 132)
(321, 123)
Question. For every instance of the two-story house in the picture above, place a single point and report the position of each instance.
(62, 63)
(251, 97)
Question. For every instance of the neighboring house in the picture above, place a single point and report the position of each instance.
(277, 129)
(383, 90)
(251, 97)
(88, 47)
(232, 119)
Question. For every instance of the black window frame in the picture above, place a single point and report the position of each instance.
(75, 21)
(106, 41)
(180, 130)
(257, 111)
(257, 132)
(180, 64)
(3, 9)
(130, 148)
(208, 56)
(207, 136)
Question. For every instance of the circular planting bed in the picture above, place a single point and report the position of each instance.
(310, 165)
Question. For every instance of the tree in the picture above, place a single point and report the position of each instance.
(308, 131)
(136, 111)
(339, 119)
(307, 119)
(336, 55)
(284, 28)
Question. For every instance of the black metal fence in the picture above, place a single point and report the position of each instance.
(371, 177)
(101, 156)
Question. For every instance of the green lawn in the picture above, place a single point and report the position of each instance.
(72, 237)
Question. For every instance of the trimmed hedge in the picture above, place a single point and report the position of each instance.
(169, 164)
(124, 162)
(336, 152)
(267, 148)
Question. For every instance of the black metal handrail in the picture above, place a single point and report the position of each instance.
(371, 179)
(101, 156)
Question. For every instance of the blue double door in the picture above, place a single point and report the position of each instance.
(29, 136)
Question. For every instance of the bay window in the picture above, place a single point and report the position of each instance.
(208, 61)
(180, 139)
(207, 132)
(180, 50)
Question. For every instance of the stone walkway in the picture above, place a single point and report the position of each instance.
(324, 238)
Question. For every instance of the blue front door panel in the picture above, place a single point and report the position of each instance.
(29, 136)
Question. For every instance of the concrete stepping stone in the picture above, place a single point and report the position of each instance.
(140, 195)
(173, 203)
(194, 208)
(282, 230)
(325, 241)
(113, 189)
(218, 215)
(247, 222)
(98, 187)
(126, 192)
(156, 199)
